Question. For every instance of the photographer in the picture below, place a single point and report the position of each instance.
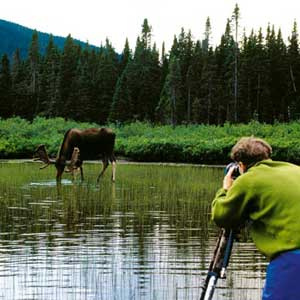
(267, 193)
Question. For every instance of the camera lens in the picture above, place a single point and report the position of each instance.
(236, 171)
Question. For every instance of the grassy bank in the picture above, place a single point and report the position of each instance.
(144, 142)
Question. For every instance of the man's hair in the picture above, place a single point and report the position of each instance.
(250, 150)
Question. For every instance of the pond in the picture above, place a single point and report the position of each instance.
(146, 236)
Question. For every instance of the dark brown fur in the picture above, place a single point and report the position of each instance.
(93, 143)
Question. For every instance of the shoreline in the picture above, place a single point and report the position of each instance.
(123, 161)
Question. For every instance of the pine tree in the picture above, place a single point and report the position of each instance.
(122, 104)
(294, 74)
(164, 62)
(126, 57)
(168, 108)
(107, 76)
(34, 65)
(67, 81)
(146, 35)
(225, 68)
(92, 84)
(139, 85)
(236, 17)
(207, 34)
(281, 79)
(261, 80)
(204, 64)
(49, 94)
(5, 88)
(205, 105)
(274, 107)
(185, 52)
(21, 96)
(193, 78)
(82, 82)
(249, 72)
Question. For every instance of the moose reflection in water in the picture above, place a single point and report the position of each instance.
(79, 145)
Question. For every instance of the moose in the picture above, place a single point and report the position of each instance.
(79, 145)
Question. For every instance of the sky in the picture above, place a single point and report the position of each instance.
(95, 20)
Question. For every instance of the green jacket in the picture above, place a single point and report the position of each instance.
(268, 194)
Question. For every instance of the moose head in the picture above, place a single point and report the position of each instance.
(74, 164)
(41, 154)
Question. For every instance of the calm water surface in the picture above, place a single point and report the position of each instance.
(147, 236)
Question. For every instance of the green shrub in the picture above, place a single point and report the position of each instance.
(205, 144)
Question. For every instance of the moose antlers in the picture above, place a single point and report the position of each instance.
(75, 163)
(42, 155)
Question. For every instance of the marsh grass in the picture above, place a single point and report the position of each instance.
(146, 236)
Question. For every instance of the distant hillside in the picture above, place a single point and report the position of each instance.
(13, 36)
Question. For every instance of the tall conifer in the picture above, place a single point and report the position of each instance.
(5, 88)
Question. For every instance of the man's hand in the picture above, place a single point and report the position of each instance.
(228, 181)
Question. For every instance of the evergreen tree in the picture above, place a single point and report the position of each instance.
(5, 88)
(146, 35)
(236, 17)
(34, 65)
(294, 74)
(281, 79)
(205, 104)
(204, 74)
(122, 104)
(193, 78)
(49, 93)
(126, 57)
(168, 107)
(107, 76)
(164, 62)
(20, 91)
(82, 83)
(92, 86)
(261, 79)
(207, 34)
(67, 81)
(185, 53)
(274, 107)
(225, 68)
(249, 73)
(255, 78)
(140, 80)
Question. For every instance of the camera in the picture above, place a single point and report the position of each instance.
(236, 172)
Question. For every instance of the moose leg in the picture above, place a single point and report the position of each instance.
(60, 166)
(58, 175)
(114, 166)
(113, 176)
(105, 165)
(81, 173)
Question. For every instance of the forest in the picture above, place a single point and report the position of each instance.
(254, 77)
